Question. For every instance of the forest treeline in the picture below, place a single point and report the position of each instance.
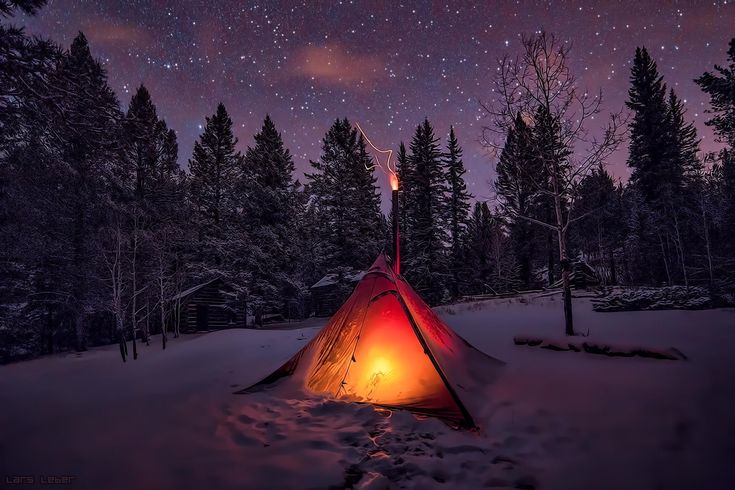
(100, 226)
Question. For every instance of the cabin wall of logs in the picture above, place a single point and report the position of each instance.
(207, 307)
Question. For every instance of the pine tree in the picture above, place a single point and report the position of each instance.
(269, 201)
(347, 199)
(215, 167)
(518, 196)
(648, 136)
(458, 205)
(405, 193)
(479, 249)
(150, 184)
(90, 142)
(598, 232)
(720, 86)
(368, 217)
(149, 148)
(29, 7)
(426, 215)
(684, 144)
(662, 150)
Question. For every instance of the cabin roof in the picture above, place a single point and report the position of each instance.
(332, 279)
(193, 289)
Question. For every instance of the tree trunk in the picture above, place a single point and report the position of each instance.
(613, 274)
(663, 256)
(550, 247)
(120, 335)
(163, 326)
(708, 247)
(566, 283)
(80, 332)
(147, 321)
(680, 249)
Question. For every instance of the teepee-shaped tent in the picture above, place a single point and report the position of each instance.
(385, 346)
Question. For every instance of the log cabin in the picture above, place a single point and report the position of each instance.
(208, 306)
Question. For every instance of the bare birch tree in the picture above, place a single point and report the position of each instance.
(112, 254)
(539, 84)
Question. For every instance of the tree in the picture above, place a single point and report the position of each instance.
(720, 86)
(406, 191)
(150, 152)
(269, 197)
(517, 195)
(663, 159)
(458, 205)
(648, 136)
(540, 87)
(89, 142)
(149, 191)
(425, 189)
(346, 198)
(598, 234)
(29, 7)
(488, 253)
(112, 252)
(215, 167)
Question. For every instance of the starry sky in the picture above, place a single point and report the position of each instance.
(384, 64)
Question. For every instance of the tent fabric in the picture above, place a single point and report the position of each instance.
(387, 347)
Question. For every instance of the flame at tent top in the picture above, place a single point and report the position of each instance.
(389, 168)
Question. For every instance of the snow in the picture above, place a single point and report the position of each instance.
(553, 420)
(666, 298)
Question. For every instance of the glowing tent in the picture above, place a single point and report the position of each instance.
(385, 346)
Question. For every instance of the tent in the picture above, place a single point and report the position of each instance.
(385, 346)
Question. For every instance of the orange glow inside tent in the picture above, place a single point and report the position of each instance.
(385, 346)
(390, 367)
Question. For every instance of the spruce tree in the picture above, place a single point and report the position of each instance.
(426, 214)
(458, 205)
(518, 196)
(90, 142)
(141, 138)
(369, 220)
(28, 7)
(345, 193)
(268, 197)
(479, 249)
(684, 142)
(720, 86)
(215, 168)
(648, 136)
(598, 233)
(662, 148)
(405, 193)
(151, 182)
(727, 205)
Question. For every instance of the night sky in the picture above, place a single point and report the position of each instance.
(385, 66)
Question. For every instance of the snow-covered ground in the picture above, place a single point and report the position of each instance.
(556, 420)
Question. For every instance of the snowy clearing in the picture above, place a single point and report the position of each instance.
(552, 420)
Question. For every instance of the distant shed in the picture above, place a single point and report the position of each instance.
(330, 291)
(206, 306)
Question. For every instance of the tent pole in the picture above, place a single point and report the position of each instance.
(396, 236)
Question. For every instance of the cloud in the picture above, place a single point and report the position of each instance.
(335, 65)
(102, 31)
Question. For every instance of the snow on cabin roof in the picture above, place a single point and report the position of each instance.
(193, 289)
(331, 279)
